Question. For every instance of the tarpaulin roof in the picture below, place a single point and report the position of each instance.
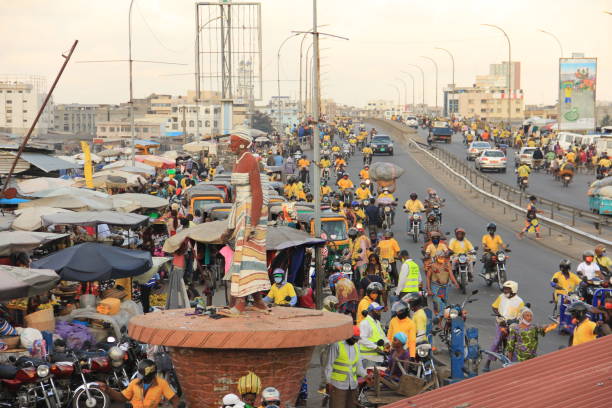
(145, 142)
(30, 219)
(25, 282)
(577, 376)
(91, 261)
(34, 185)
(72, 202)
(142, 200)
(282, 237)
(47, 163)
(23, 241)
(94, 218)
(6, 220)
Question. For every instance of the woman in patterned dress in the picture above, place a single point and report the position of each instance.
(524, 336)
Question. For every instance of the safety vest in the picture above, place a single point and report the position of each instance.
(376, 335)
(412, 280)
(342, 366)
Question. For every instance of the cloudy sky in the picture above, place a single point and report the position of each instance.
(385, 36)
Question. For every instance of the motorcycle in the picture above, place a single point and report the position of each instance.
(414, 225)
(566, 180)
(523, 183)
(325, 174)
(462, 267)
(388, 215)
(435, 208)
(367, 159)
(560, 314)
(27, 383)
(347, 196)
(496, 271)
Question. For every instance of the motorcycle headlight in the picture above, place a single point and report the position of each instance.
(501, 257)
(116, 354)
(347, 267)
(42, 371)
(423, 350)
(453, 313)
(462, 258)
(416, 217)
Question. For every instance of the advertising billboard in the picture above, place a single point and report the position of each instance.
(577, 80)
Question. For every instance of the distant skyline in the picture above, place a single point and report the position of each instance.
(385, 36)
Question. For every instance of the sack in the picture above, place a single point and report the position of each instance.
(43, 320)
(385, 171)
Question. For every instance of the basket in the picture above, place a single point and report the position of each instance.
(43, 320)
(12, 342)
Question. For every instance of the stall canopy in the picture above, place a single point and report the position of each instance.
(22, 241)
(18, 283)
(128, 163)
(278, 237)
(95, 218)
(47, 163)
(27, 187)
(64, 191)
(6, 220)
(72, 202)
(91, 261)
(142, 200)
(30, 219)
(156, 161)
(197, 146)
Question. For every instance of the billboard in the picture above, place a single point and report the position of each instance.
(577, 80)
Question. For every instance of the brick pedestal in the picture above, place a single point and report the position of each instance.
(210, 355)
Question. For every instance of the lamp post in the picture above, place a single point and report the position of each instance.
(452, 61)
(423, 80)
(308, 64)
(556, 39)
(509, 72)
(131, 87)
(413, 89)
(398, 94)
(280, 111)
(436, 66)
(405, 91)
(301, 110)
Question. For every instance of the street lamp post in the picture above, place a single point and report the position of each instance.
(556, 39)
(132, 138)
(413, 89)
(308, 64)
(436, 66)
(423, 84)
(399, 102)
(509, 72)
(301, 58)
(280, 111)
(452, 61)
(405, 91)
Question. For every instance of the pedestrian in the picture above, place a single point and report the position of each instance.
(373, 217)
(344, 366)
(531, 221)
(410, 279)
(523, 338)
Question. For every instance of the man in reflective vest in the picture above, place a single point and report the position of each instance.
(343, 367)
(373, 341)
(409, 277)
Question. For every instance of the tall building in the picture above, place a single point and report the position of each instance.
(75, 118)
(21, 97)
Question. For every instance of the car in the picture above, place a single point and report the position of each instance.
(525, 156)
(491, 159)
(412, 121)
(475, 148)
(382, 144)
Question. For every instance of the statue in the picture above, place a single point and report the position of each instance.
(248, 221)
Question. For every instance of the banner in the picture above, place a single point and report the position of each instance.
(87, 167)
(577, 79)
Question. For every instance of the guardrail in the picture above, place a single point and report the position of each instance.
(497, 189)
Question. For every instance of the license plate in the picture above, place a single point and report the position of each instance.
(494, 162)
(382, 149)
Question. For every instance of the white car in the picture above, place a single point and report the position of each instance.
(524, 156)
(491, 159)
(475, 148)
(412, 121)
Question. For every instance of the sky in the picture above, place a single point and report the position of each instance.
(384, 37)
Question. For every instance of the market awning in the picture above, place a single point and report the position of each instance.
(142, 200)
(47, 163)
(71, 202)
(282, 237)
(23, 241)
(94, 218)
(30, 219)
(18, 283)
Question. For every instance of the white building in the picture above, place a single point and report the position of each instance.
(21, 96)
(75, 118)
(289, 110)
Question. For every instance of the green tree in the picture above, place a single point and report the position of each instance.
(262, 122)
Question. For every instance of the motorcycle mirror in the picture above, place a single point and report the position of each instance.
(475, 291)
(123, 330)
(110, 339)
(475, 248)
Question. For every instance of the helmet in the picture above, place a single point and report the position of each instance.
(388, 234)
(565, 264)
(578, 310)
(385, 189)
(330, 303)
(434, 234)
(413, 196)
(270, 395)
(352, 232)
(512, 285)
(412, 298)
(431, 191)
(249, 384)
(366, 202)
(600, 250)
(431, 217)
(588, 253)
(336, 204)
(491, 226)
(459, 231)
(147, 370)
(400, 309)
(231, 400)
(374, 287)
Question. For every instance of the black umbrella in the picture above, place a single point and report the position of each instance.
(91, 261)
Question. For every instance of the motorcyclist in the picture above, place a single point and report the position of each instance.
(363, 192)
(325, 189)
(432, 201)
(538, 158)
(414, 206)
(345, 183)
(374, 293)
(461, 245)
(339, 164)
(386, 195)
(364, 174)
(324, 165)
(335, 207)
(604, 262)
(491, 243)
(585, 330)
(270, 397)
(402, 323)
(588, 268)
(432, 225)
(522, 172)
(564, 281)
(367, 154)
(281, 293)
(417, 303)
(373, 342)
(507, 308)
(304, 165)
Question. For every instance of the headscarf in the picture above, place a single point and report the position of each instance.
(522, 319)
(243, 133)
(401, 337)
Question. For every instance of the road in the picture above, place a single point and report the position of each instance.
(540, 183)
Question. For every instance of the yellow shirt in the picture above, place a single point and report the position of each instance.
(605, 162)
(531, 143)
(432, 249)
(135, 394)
(386, 195)
(302, 163)
(604, 261)
(325, 190)
(278, 295)
(407, 327)
(571, 157)
(388, 249)
(367, 150)
(360, 214)
(325, 163)
(335, 148)
(568, 284)
(364, 174)
(340, 162)
(493, 243)
(460, 247)
(414, 206)
(523, 171)
(288, 190)
(363, 193)
(345, 183)
(363, 305)
(353, 140)
(584, 332)
(420, 321)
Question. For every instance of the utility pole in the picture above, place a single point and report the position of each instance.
(413, 90)
(423, 79)
(436, 66)
(131, 104)
(301, 107)
(405, 92)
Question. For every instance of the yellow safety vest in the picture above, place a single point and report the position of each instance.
(342, 366)
(376, 335)
(412, 280)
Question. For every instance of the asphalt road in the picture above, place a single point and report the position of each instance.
(540, 183)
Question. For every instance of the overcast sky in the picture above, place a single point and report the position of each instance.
(385, 35)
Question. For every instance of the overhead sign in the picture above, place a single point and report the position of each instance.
(577, 80)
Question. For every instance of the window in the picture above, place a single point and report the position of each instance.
(174, 109)
(175, 126)
(200, 123)
(498, 110)
(483, 110)
(9, 91)
(65, 116)
(518, 110)
(111, 129)
(9, 110)
(137, 129)
(20, 91)
(175, 120)
(215, 124)
(102, 128)
(483, 101)
(145, 130)
(9, 120)
(8, 102)
(182, 123)
(66, 128)
(191, 123)
(207, 110)
(25, 111)
(470, 101)
(207, 124)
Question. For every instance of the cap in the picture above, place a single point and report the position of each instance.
(375, 306)
(356, 331)
(232, 400)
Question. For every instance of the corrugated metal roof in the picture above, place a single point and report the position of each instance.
(579, 376)
(6, 161)
(47, 163)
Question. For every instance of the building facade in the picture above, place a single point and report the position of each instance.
(21, 97)
(75, 118)
(283, 109)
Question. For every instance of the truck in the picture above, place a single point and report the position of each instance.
(441, 131)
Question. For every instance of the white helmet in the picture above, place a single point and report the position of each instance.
(270, 394)
(512, 285)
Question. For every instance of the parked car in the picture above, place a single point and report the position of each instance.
(525, 156)
(475, 148)
(492, 159)
(382, 144)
